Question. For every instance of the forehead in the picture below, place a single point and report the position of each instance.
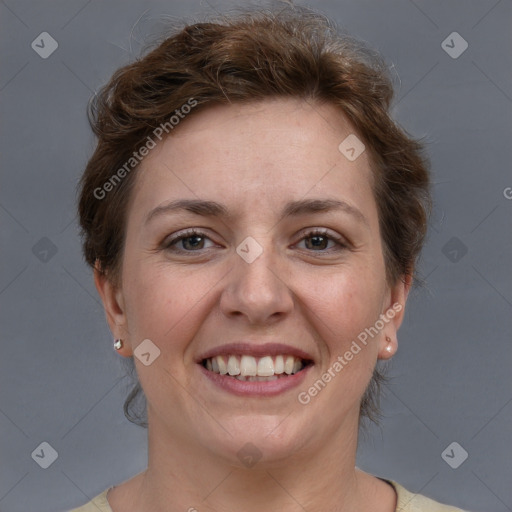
(259, 154)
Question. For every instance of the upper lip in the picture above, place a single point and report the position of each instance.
(252, 349)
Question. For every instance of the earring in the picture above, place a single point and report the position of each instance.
(389, 348)
(118, 344)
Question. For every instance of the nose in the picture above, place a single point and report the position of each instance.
(257, 291)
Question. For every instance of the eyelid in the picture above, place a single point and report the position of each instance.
(312, 231)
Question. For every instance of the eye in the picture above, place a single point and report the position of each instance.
(191, 240)
(318, 240)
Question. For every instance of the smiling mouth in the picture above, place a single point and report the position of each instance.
(256, 369)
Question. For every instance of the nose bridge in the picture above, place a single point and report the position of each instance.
(255, 288)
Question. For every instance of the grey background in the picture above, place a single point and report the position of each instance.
(60, 380)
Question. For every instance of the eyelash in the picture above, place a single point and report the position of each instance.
(167, 244)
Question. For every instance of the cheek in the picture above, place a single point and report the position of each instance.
(155, 300)
(343, 304)
(167, 305)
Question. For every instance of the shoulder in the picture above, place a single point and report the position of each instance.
(98, 504)
(410, 502)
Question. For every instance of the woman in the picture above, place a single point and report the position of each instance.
(253, 217)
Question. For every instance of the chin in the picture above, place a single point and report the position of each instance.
(258, 439)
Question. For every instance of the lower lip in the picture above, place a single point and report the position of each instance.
(262, 388)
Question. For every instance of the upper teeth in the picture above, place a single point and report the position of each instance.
(250, 366)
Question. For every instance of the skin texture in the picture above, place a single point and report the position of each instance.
(253, 159)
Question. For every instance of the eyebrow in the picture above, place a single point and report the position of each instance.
(291, 209)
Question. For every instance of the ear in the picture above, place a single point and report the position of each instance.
(113, 303)
(393, 314)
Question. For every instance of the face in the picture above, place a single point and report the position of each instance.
(273, 270)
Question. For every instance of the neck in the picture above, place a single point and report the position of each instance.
(182, 475)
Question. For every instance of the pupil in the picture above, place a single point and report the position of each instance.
(318, 241)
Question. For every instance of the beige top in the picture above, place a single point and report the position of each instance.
(407, 502)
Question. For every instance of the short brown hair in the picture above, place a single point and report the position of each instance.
(294, 52)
